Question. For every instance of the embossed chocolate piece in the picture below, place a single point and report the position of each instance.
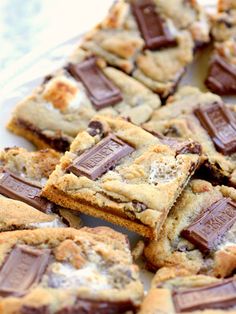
(151, 25)
(18, 189)
(215, 296)
(209, 228)
(100, 158)
(101, 91)
(221, 77)
(220, 125)
(23, 267)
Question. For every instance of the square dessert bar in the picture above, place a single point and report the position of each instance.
(22, 176)
(224, 22)
(191, 294)
(221, 77)
(66, 270)
(16, 215)
(153, 40)
(65, 102)
(198, 235)
(119, 172)
(204, 118)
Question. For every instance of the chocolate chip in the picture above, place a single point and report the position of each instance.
(95, 128)
(47, 78)
(190, 148)
(172, 131)
(183, 248)
(139, 207)
(35, 310)
(228, 24)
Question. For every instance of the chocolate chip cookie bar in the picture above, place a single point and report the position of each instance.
(221, 77)
(199, 233)
(191, 294)
(17, 215)
(63, 105)
(65, 270)
(153, 40)
(224, 22)
(22, 176)
(119, 172)
(204, 118)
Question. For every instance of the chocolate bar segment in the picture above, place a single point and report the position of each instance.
(21, 190)
(210, 227)
(216, 296)
(101, 91)
(100, 158)
(152, 27)
(99, 307)
(221, 77)
(23, 268)
(220, 125)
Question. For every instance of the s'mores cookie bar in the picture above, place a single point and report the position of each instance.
(65, 270)
(17, 215)
(199, 233)
(204, 118)
(224, 22)
(221, 77)
(153, 40)
(63, 105)
(119, 172)
(22, 176)
(191, 294)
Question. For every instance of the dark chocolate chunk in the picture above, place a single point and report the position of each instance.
(35, 310)
(47, 78)
(152, 27)
(166, 140)
(84, 306)
(58, 141)
(215, 296)
(209, 228)
(189, 148)
(221, 77)
(100, 158)
(139, 207)
(220, 125)
(23, 268)
(95, 128)
(18, 189)
(101, 91)
(181, 147)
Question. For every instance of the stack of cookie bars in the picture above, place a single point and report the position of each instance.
(119, 141)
